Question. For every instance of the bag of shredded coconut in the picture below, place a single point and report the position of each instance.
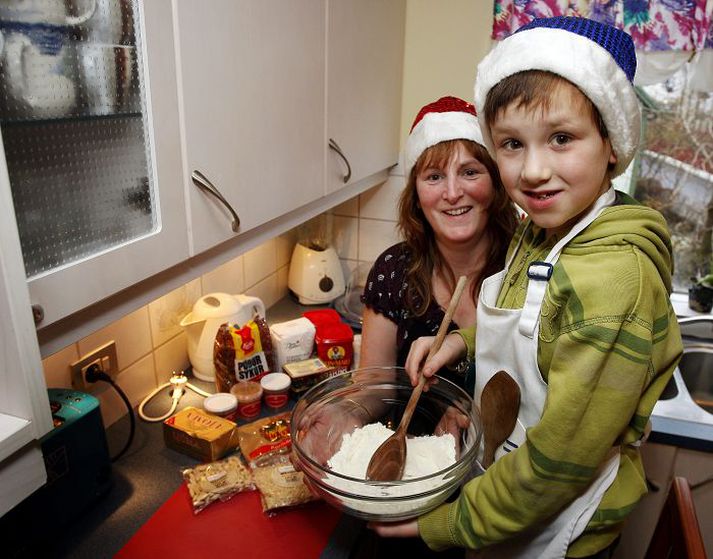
(280, 485)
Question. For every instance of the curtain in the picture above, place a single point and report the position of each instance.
(654, 25)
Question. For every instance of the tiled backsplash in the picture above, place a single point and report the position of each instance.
(150, 342)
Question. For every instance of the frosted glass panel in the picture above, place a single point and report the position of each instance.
(73, 122)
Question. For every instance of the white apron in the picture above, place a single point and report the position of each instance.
(506, 339)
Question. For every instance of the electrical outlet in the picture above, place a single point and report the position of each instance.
(104, 356)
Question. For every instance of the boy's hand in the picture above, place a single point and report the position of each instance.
(452, 351)
(405, 529)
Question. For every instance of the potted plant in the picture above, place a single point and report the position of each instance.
(700, 294)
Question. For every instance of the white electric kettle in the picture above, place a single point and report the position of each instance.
(202, 323)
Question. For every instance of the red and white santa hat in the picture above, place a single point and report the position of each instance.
(449, 118)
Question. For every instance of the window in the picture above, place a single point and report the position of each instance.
(674, 171)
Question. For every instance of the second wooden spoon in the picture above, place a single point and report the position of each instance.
(499, 406)
(388, 461)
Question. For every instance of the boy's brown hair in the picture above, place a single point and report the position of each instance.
(533, 89)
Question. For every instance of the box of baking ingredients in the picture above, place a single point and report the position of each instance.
(200, 434)
(307, 373)
(335, 345)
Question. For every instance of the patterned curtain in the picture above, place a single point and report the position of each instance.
(655, 25)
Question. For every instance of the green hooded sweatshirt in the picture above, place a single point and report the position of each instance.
(608, 345)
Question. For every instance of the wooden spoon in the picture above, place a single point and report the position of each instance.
(499, 406)
(388, 461)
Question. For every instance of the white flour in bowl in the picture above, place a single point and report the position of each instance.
(424, 455)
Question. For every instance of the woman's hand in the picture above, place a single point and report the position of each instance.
(452, 350)
(405, 529)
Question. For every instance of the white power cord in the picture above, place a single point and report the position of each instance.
(179, 381)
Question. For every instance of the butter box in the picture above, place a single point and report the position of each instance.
(307, 373)
(199, 434)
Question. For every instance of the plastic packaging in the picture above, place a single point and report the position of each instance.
(216, 481)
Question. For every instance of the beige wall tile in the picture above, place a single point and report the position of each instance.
(57, 367)
(227, 278)
(131, 333)
(345, 233)
(137, 382)
(284, 245)
(382, 202)
(266, 290)
(375, 236)
(171, 356)
(167, 312)
(282, 275)
(350, 208)
(259, 263)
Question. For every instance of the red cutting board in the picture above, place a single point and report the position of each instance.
(235, 528)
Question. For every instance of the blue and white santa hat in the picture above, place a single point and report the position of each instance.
(449, 118)
(597, 58)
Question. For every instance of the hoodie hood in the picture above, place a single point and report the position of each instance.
(628, 222)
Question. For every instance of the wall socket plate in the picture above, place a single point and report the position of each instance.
(104, 356)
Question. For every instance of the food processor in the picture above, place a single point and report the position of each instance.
(315, 275)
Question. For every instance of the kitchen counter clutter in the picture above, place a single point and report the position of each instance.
(148, 509)
(148, 488)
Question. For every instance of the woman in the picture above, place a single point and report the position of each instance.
(455, 219)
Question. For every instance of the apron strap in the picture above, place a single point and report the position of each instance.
(540, 272)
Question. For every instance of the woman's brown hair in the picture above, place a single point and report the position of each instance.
(419, 237)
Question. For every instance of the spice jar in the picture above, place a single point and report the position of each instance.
(275, 387)
(221, 404)
(248, 394)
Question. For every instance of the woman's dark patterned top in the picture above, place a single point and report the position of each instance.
(385, 292)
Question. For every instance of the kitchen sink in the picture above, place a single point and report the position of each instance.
(684, 412)
(696, 369)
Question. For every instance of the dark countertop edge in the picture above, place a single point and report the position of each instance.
(670, 431)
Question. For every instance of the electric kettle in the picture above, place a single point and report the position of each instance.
(202, 323)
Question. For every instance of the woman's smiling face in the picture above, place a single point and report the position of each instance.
(553, 160)
(454, 197)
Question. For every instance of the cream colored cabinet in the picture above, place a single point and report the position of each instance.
(252, 107)
(365, 46)
(90, 132)
(24, 406)
(275, 96)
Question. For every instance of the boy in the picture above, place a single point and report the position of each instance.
(580, 317)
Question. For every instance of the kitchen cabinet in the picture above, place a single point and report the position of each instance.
(252, 109)
(24, 406)
(248, 94)
(258, 91)
(95, 178)
(365, 49)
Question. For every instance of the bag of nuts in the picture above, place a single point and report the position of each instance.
(215, 481)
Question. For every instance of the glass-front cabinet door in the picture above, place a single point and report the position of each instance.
(89, 123)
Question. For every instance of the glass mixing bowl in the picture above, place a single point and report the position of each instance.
(341, 404)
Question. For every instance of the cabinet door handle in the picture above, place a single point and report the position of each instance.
(200, 180)
(333, 145)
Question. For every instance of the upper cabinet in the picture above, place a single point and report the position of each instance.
(137, 135)
(90, 131)
(365, 49)
(252, 105)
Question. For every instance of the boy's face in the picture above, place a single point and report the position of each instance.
(553, 161)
